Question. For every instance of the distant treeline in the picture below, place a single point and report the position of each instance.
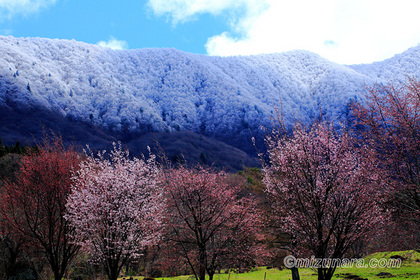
(14, 149)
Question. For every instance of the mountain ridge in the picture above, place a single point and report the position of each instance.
(128, 93)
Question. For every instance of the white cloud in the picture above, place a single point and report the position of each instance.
(184, 10)
(114, 44)
(345, 31)
(10, 8)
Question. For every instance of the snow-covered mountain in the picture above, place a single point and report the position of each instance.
(131, 92)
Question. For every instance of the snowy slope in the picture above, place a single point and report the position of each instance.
(137, 91)
(396, 69)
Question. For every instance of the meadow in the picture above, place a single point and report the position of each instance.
(410, 269)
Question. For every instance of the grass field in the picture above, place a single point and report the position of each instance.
(410, 269)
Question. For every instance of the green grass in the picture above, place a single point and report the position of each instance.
(410, 269)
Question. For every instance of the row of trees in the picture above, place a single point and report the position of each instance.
(13, 149)
(113, 208)
(329, 189)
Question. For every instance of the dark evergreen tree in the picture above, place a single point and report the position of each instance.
(2, 148)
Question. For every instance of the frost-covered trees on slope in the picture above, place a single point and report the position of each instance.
(166, 90)
(115, 208)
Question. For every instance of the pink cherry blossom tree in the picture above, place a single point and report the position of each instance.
(325, 189)
(209, 223)
(115, 207)
(390, 120)
(33, 207)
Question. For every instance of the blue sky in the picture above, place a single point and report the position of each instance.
(344, 31)
(131, 22)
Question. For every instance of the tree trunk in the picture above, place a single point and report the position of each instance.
(113, 274)
(323, 274)
(320, 274)
(112, 269)
(55, 267)
(202, 263)
(58, 276)
(211, 270)
(295, 273)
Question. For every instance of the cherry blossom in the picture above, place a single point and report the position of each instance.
(115, 207)
(326, 191)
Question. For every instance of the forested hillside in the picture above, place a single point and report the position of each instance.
(96, 95)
